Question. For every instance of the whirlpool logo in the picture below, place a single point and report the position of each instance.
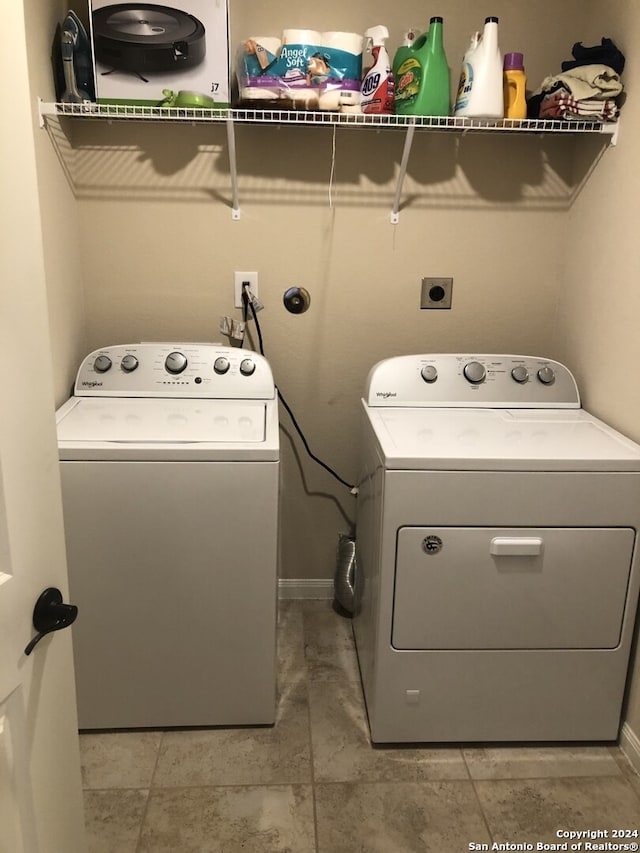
(386, 394)
(91, 384)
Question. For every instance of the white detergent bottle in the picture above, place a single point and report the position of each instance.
(377, 88)
(480, 92)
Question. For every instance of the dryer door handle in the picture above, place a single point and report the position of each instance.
(516, 546)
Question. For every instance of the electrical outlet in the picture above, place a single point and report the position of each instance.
(238, 279)
(436, 293)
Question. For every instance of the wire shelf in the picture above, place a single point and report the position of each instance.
(230, 118)
(116, 112)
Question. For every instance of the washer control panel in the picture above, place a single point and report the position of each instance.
(455, 380)
(175, 370)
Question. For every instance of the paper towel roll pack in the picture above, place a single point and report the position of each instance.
(307, 69)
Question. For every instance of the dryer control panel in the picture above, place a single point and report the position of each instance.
(175, 370)
(472, 380)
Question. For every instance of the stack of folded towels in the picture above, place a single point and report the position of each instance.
(588, 89)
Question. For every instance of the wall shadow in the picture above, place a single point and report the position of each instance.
(298, 164)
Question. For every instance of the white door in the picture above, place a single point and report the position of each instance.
(40, 789)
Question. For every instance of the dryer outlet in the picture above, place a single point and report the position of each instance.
(238, 280)
(436, 293)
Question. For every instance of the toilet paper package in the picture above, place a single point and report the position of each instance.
(255, 55)
(305, 70)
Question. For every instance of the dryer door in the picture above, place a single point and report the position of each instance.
(510, 588)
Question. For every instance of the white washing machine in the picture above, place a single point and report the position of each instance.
(497, 569)
(169, 460)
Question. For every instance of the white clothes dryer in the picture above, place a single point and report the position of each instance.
(170, 465)
(497, 570)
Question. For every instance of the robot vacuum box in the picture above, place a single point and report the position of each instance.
(147, 53)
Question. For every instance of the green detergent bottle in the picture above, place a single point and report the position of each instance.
(421, 74)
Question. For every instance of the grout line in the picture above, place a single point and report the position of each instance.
(310, 727)
(482, 812)
(117, 788)
(155, 764)
(571, 777)
(151, 780)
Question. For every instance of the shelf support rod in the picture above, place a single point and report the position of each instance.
(613, 131)
(408, 142)
(41, 113)
(233, 169)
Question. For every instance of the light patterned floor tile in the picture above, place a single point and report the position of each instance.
(290, 643)
(242, 756)
(531, 762)
(626, 768)
(535, 810)
(254, 819)
(329, 648)
(250, 790)
(406, 817)
(119, 759)
(342, 750)
(113, 819)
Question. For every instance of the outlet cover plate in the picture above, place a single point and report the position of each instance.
(436, 293)
(238, 279)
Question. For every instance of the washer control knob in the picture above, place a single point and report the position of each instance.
(175, 362)
(546, 375)
(429, 373)
(221, 364)
(247, 367)
(520, 373)
(102, 364)
(474, 372)
(129, 363)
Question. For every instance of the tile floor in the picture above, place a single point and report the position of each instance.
(314, 784)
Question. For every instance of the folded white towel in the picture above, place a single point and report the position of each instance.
(598, 82)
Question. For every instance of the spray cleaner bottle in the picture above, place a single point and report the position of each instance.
(377, 88)
(480, 93)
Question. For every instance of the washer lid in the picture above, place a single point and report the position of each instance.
(153, 428)
(500, 439)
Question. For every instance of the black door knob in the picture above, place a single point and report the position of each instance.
(50, 614)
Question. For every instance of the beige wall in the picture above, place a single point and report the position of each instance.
(152, 246)
(64, 261)
(163, 269)
(161, 247)
(597, 329)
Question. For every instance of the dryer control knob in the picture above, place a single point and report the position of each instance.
(247, 367)
(175, 362)
(129, 363)
(520, 373)
(546, 375)
(221, 364)
(102, 364)
(474, 372)
(429, 373)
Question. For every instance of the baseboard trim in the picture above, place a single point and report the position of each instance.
(305, 588)
(630, 745)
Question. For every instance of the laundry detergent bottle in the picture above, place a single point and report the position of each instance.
(421, 74)
(377, 88)
(480, 91)
(515, 85)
